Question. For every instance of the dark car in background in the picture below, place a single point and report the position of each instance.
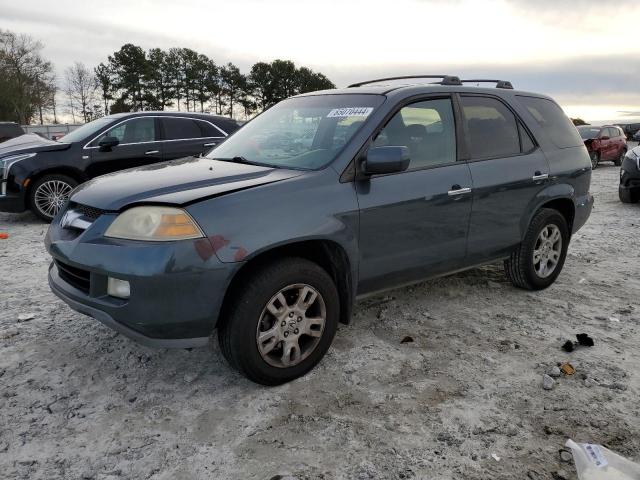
(604, 144)
(629, 129)
(629, 189)
(39, 174)
(636, 136)
(9, 130)
(273, 235)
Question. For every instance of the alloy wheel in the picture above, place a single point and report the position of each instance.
(291, 325)
(50, 196)
(547, 251)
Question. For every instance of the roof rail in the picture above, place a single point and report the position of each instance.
(445, 79)
(499, 83)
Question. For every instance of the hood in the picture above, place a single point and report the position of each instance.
(178, 182)
(29, 142)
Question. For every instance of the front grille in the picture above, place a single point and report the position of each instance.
(90, 213)
(76, 277)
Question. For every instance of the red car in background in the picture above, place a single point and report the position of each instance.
(605, 144)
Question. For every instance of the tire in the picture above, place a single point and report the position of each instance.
(521, 267)
(628, 195)
(618, 161)
(49, 193)
(595, 158)
(249, 316)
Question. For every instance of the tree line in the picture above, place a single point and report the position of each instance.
(27, 81)
(132, 79)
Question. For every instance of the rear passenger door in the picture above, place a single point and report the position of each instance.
(185, 137)
(605, 144)
(414, 224)
(508, 171)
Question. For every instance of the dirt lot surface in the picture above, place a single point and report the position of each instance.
(79, 401)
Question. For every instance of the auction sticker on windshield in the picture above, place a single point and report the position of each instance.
(350, 112)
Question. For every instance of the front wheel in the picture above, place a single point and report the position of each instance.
(282, 321)
(627, 195)
(49, 194)
(595, 158)
(538, 260)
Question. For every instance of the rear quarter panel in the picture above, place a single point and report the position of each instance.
(569, 169)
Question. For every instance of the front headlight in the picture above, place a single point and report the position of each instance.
(6, 162)
(154, 224)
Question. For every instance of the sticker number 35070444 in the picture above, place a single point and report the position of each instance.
(350, 112)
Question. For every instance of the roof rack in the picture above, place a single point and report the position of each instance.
(499, 83)
(445, 79)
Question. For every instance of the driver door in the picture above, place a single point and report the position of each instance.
(139, 145)
(414, 224)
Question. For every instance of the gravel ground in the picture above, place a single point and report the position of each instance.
(80, 401)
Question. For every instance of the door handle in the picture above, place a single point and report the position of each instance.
(538, 176)
(209, 144)
(458, 190)
(151, 152)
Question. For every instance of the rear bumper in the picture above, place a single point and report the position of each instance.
(584, 205)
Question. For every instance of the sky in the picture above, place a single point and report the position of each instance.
(584, 53)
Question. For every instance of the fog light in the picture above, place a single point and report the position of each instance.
(118, 288)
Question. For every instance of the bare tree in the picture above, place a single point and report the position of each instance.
(26, 78)
(82, 91)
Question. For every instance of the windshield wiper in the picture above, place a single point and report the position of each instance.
(244, 160)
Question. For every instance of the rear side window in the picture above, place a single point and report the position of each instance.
(492, 128)
(553, 121)
(181, 128)
(208, 130)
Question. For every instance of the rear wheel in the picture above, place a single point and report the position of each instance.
(282, 321)
(49, 194)
(618, 161)
(595, 158)
(537, 262)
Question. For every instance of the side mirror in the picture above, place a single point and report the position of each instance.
(381, 160)
(604, 137)
(107, 143)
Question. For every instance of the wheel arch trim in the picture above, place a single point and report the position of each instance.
(327, 253)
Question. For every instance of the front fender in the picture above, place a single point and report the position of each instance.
(313, 206)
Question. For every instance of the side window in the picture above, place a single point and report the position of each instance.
(180, 128)
(427, 128)
(553, 121)
(136, 130)
(526, 143)
(208, 130)
(492, 128)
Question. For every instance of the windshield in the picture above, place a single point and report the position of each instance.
(303, 132)
(588, 132)
(86, 130)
